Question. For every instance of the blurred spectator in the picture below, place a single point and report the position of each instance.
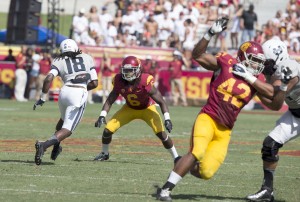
(165, 28)
(118, 21)
(150, 31)
(105, 17)
(107, 70)
(189, 39)
(175, 70)
(110, 34)
(248, 24)
(20, 76)
(129, 21)
(94, 22)
(36, 57)
(235, 29)
(28, 67)
(10, 56)
(45, 64)
(80, 25)
(151, 67)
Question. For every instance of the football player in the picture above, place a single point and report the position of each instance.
(229, 93)
(138, 90)
(283, 73)
(77, 70)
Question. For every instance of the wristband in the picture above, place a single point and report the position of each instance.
(251, 79)
(283, 87)
(167, 116)
(103, 113)
(207, 36)
(43, 96)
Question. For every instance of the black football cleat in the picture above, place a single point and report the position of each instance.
(163, 194)
(102, 157)
(39, 152)
(264, 194)
(57, 149)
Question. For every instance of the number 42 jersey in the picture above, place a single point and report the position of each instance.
(228, 93)
(67, 68)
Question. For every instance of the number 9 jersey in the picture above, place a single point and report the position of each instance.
(228, 93)
(68, 68)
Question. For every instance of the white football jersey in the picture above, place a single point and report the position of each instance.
(68, 68)
(292, 98)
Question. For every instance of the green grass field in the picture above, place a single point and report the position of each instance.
(137, 162)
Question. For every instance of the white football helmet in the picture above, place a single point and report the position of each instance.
(276, 50)
(68, 45)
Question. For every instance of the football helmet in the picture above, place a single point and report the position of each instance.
(68, 45)
(275, 51)
(131, 68)
(252, 56)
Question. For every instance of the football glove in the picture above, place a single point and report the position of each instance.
(168, 125)
(39, 102)
(101, 120)
(218, 26)
(240, 70)
(286, 75)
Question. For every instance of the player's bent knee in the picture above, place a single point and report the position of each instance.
(270, 150)
(107, 133)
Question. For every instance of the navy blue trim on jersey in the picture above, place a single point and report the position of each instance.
(54, 67)
(78, 117)
(93, 68)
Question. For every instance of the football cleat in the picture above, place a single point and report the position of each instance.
(102, 157)
(264, 194)
(57, 149)
(39, 152)
(163, 194)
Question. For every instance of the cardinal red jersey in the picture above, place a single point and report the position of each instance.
(228, 93)
(137, 95)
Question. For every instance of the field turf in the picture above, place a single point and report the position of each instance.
(138, 160)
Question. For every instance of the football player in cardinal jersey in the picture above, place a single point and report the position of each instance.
(283, 73)
(228, 94)
(138, 90)
(77, 70)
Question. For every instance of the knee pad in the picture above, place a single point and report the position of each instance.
(270, 150)
(106, 133)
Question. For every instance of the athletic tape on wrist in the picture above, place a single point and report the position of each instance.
(103, 113)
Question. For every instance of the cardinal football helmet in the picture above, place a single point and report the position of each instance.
(252, 56)
(131, 68)
(68, 45)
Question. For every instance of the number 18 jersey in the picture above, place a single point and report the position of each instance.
(228, 93)
(67, 68)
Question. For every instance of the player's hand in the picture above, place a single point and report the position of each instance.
(218, 26)
(286, 75)
(168, 125)
(240, 70)
(101, 120)
(39, 102)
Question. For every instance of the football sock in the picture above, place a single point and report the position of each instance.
(105, 148)
(50, 142)
(173, 152)
(173, 179)
(268, 178)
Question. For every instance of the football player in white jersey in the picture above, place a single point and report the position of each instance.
(283, 74)
(77, 70)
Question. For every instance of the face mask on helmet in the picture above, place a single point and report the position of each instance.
(251, 55)
(131, 68)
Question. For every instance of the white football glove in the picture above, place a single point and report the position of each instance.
(218, 26)
(240, 70)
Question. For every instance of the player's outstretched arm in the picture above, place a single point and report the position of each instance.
(46, 86)
(208, 61)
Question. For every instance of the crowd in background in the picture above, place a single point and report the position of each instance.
(176, 24)
(179, 24)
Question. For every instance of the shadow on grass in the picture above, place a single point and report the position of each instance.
(29, 162)
(115, 161)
